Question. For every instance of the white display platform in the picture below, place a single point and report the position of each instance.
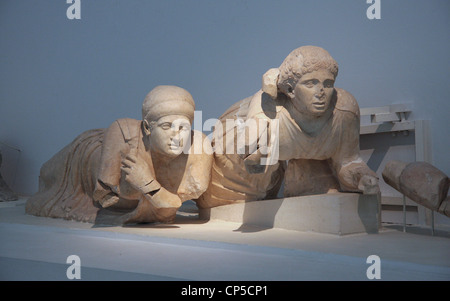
(36, 248)
(334, 213)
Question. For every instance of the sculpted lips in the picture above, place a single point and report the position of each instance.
(320, 104)
(176, 144)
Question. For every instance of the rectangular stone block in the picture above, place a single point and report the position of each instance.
(336, 213)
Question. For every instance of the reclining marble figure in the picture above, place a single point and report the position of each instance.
(133, 171)
(316, 145)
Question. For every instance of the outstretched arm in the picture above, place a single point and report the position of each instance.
(352, 172)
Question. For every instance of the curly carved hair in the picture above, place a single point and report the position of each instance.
(304, 60)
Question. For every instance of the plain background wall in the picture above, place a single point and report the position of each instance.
(60, 77)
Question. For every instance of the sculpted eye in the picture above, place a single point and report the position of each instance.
(328, 84)
(165, 126)
(309, 84)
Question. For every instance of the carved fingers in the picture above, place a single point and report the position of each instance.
(138, 174)
(129, 163)
(109, 200)
(253, 163)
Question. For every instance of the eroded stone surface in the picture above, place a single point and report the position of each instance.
(421, 182)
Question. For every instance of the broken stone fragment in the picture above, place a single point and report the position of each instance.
(421, 182)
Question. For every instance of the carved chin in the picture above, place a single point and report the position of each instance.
(167, 151)
(174, 150)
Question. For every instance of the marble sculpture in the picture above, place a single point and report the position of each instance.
(421, 182)
(304, 131)
(134, 171)
(317, 137)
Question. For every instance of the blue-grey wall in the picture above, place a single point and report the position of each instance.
(60, 77)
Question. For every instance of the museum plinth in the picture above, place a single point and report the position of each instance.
(334, 213)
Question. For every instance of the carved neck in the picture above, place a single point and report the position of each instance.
(310, 124)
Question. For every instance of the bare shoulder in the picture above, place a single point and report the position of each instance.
(346, 102)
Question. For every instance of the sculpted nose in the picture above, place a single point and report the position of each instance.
(176, 138)
(320, 87)
(174, 130)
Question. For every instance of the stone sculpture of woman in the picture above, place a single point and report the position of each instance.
(317, 135)
(134, 171)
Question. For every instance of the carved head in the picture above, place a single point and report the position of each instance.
(307, 77)
(167, 113)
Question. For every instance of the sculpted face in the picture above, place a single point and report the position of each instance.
(170, 134)
(313, 92)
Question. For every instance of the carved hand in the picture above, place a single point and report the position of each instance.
(138, 174)
(369, 185)
(253, 163)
